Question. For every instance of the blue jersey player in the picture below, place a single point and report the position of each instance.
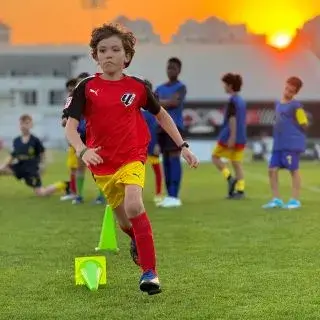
(27, 160)
(76, 164)
(288, 143)
(172, 96)
(154, 151)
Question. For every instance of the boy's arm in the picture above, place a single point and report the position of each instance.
(166, 122)
(163, 118)
(231, 115)
(73, 111)
(302, 118)
(7, 162)
(176, 99)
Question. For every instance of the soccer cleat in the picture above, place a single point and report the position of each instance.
(237, 196)
(273, 204)
(231, 185)
(68, 197)
(100, 200)
(77, 200)
(134, 252)
(293, 204)
(170, 202)
(149, 282)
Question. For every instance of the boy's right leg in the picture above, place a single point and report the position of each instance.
(126, 227)
(274, 165)
(218, 153)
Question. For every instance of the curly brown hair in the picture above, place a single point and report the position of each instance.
(113, 29)
(296, 82)
(233, 80)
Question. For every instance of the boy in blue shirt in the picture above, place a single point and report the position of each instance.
(172, 95)
(289, 141)
(154, 150)
(232, 137)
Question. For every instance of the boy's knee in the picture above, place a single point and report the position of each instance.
(133, 201)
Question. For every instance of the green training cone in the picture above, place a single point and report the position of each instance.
(90, 271)
(108, 238)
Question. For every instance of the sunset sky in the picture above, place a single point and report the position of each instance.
(65, 21)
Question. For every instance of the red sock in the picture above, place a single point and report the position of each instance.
(129, 232)
(144, 242)
(157, 171)
(73, 185)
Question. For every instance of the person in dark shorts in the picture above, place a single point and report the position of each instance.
(27, 161)
(172, 96)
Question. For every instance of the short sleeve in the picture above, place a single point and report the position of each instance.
(75, 104)
(301, 116)
(152, 104)
(39, 147)
(232, 110)
(182, 92)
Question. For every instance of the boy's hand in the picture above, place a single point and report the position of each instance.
(156, 150)
(191, 159)
(91, 156)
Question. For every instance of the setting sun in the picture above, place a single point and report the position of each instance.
(280, 40)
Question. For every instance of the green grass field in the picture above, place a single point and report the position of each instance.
(216, 259)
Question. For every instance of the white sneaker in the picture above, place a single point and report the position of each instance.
(170, 202)
(68, 197)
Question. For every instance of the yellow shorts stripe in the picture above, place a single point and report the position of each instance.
(153, 160)
(72, 159)
(113, 186)
(230, 154)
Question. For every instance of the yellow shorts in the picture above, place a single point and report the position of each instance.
(72, 159)
(113, 186)
(230, 154)
(153, 160)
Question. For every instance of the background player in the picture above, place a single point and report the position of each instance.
(154, 150)
(74, 163)
(233, 137)
(118, 137)
(27, 160)
(72, 159)
(288, 143)
(172, 95)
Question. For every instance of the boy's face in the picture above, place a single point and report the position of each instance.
(25, 126)
(111, 55)
(289, 91)
(173, 70)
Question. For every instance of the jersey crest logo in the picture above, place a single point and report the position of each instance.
(94, 91)
(128, 98)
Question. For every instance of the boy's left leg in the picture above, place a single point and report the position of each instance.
(142, 229)
(35, 182)
(223, 152)
(292, 159)
(132, 177)
(236, 160)
(124, 193)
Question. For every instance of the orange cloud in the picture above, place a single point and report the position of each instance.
(54, 21)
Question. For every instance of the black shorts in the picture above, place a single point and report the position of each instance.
(83, 137)
(31, 177)
(166, 143)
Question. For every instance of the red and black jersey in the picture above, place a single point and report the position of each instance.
(114, 120)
